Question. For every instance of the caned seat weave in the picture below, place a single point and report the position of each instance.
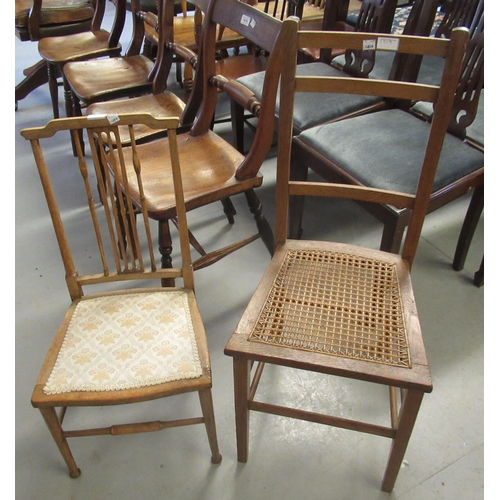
(338, 304)
(118, 342)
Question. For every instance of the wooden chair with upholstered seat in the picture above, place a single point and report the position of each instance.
(38, 19)
(390, 143)
(124, 339)
(97, 42)
(311, 110)
(213, 169)
(336, 309)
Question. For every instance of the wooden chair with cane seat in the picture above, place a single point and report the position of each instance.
(38, 19)
(97, 42)
(340, 309)
(213, 169)
(120, 343)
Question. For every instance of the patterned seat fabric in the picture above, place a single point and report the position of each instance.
(119, 342)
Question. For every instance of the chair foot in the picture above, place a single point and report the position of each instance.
(36, 76)
(265, 231)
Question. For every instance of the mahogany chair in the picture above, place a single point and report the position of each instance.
(339, 309)
(313, 109)
(391, 143)
(92, 44)
(38, 19)
(213, 169)
(122, 340)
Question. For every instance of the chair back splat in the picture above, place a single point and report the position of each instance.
(124, 338)
(336, 309)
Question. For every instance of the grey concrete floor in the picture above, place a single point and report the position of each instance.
(288, 459)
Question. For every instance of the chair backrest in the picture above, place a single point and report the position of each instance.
(459, 13)
(118, 21)
(34, 20)
(375, 16)
(471, 81)
(262, 30)
(162, 23)
(442, 97)
(123, 245)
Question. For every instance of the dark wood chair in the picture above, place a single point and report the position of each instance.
(369, 140)
(149, 341)
(92, 44)
(338, 309)
(129, 75)
(213, 169)
(38, 19)
(311, 110)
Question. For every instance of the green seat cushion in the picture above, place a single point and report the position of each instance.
(386, 149)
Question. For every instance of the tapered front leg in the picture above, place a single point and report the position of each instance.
(207, 408)
(407, 418)
(241, 374)
(54, 425)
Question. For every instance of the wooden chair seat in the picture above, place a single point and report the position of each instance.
(54, 12)
(96, 43)
(165, 105)
(211, 177)
(118, 77)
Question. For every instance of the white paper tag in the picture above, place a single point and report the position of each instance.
(384, 43)
(369, 44)
(245, 20)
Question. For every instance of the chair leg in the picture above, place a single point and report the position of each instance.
(73, 108)
(165, 247)
(36, 76)
(207, 408)
(393, 234)
(479, 275)
(298, 172)
(54, 425)
(53, 88)
(241, 374)
(229, 209)
(265, 231)
(469, 226)
(238, 125)
(407, 417)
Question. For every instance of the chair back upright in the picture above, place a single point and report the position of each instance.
(441, 95)
(123, 245)
(260, 29)
(375, 16)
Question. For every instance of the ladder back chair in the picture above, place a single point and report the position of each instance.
(92, 44)
(38, 19)
(339, 309)
(213, 169)
(123, 340)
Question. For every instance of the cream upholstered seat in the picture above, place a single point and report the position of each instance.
(123, 343)
(130, 341)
